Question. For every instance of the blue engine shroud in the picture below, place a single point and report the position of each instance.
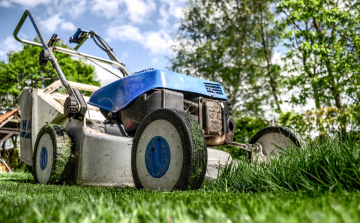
(117, 95)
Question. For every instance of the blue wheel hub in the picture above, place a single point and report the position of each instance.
(157, 156)
(43, 158)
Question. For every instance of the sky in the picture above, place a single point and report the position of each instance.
(141, 32)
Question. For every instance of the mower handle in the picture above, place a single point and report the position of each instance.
(71, 52)
(44, 45)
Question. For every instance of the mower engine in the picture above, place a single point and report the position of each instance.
(213, 116)
(153, 89)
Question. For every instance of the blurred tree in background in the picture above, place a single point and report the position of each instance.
(23, 70)
(323, 59)
(234, 42)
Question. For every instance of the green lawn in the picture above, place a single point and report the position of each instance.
(23, 201)
(320, 183)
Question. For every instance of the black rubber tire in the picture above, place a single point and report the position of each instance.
(282, 130)
(298, 141)
(61, 170)
(194, 148)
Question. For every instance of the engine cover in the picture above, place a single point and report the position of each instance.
(121, 93)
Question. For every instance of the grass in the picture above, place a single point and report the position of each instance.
(327, 166)
(319, 184)
(23, 201)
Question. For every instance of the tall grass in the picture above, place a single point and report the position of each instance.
(320, 166)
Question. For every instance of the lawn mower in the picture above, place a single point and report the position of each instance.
(151, 129)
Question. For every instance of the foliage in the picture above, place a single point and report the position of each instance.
(324, 46)
(232, 42)
(306, 124)
(302, 124)
(247, 127)
(22, 201)
(23, 70)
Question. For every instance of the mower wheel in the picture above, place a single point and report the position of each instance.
(52, 156)
(275, 140)
(169, 152)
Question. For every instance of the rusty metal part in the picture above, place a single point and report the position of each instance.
(214, 118)
(248, 147)
(213, 123)
(256, 151)
(201, 117)
(256, 147)
(243, 146)
(258, 156)
(191, 106)
(215, 141)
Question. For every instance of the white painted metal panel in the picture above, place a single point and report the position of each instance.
(105, 159)
(25, 102)
(216, 159)
(44, 111)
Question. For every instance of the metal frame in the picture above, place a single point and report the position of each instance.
(46, 48)
(71, 52)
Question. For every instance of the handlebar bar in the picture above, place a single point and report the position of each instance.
(43, 44)
(45, 47)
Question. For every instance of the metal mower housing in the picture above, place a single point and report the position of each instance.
(101, 128)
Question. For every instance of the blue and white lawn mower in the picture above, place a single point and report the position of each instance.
(151, 129)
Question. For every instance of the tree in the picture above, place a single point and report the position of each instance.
(232, 42)
(23, 70)
(324, 52)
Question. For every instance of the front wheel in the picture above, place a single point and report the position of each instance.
(169, 152)
(52, 156)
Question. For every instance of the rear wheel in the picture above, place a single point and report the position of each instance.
(275, 140)
(169, 152)
(52, 156)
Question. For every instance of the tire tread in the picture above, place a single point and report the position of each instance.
(61, 171)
